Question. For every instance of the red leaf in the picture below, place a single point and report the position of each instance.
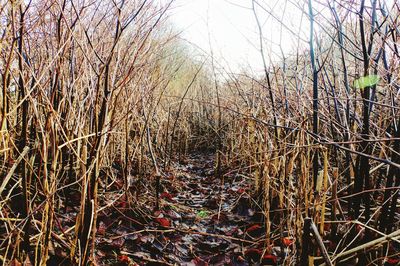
(287, 241)
(241, 190)
(268, 258)
(122, 202)
(253, 254)
(102, 228)
(124, 259)
(166, 195)
(163, 222)
(252, 251)
(253, 228)
(392, 261)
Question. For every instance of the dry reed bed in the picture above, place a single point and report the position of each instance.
(100, 92)
(82, 95)
(344, 173)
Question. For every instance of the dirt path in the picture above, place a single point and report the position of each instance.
(200, 222)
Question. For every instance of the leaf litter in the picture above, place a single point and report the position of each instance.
(200, 222)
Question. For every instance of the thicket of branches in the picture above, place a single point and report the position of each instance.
(86, 102)
(317, 144)
(101, 96)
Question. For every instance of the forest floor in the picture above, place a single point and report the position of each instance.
(201, 221)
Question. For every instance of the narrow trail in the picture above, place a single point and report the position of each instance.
(200, 222)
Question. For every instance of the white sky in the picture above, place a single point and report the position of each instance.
(233, 30)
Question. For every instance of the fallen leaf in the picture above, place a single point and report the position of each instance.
(287, 241)
(253, 254)
(392, 261)
(102, 228)
(241, 190)
(163, 222)
(166, 195)
(270, 259)
(253, 228)
(124, 259)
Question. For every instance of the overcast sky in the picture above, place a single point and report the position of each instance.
(231, 26)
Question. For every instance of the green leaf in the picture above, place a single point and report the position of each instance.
(202, 214)
(366, 81)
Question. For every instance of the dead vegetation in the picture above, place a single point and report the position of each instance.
(101, 104)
